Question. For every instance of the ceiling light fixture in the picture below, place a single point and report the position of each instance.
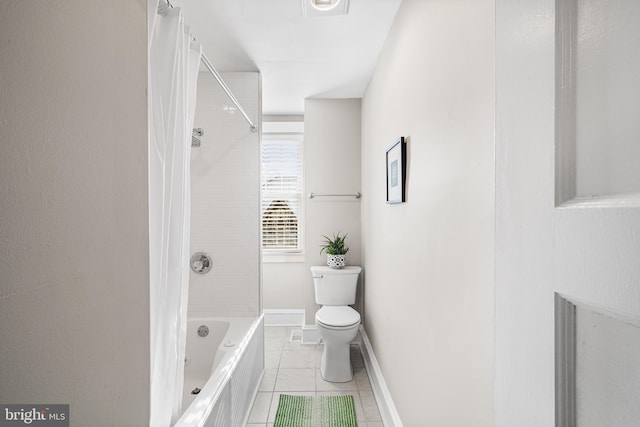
(324, 4)
(324, 7)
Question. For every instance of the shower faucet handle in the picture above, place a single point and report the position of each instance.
(201, 263)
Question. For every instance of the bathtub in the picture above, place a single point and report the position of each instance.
(226, 366)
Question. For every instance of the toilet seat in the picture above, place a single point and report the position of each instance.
(337, 317)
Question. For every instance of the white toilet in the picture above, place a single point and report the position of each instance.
(337, 323)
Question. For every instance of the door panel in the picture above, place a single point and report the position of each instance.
(607, 369)
(554, 237)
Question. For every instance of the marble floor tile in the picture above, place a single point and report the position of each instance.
(322, 385)
(369, 406)
(272, 359)
(300, 359)
(295, 380)
(260, 410)
(293, 368)
(362, 378)
(268, 380)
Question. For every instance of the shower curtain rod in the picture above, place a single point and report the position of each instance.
(162, 9)
(226, 89)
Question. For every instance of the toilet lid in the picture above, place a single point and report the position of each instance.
(340, 315)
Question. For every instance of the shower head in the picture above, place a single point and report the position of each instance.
(163, 7)
(195, 141)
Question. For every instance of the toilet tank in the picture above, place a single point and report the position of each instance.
(335, 286)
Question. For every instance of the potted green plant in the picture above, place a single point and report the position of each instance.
(336, 250)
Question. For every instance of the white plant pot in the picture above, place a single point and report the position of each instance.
(336, 261)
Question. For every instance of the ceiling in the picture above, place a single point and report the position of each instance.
(298, 57)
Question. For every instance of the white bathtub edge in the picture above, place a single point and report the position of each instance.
(196, 416)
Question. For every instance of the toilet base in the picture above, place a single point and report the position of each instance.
(335, 365)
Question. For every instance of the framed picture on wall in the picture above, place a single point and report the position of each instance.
(396, 171)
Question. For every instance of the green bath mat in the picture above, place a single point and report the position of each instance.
(323, 411)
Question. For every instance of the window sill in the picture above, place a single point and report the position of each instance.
(282, 257)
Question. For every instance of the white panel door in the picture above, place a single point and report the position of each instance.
(568, 210)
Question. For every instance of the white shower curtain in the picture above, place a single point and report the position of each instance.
(173, 70)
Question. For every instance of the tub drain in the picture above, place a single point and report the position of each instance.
(195, 391)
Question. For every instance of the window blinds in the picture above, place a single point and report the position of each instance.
(282, 189)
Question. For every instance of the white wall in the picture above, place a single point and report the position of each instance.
(74, 287)
(225, 195)
(429, 262)
(283, 275)
(284, 284)
(331, 166)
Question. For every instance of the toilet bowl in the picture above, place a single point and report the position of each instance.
(337, 326)
(336, 322)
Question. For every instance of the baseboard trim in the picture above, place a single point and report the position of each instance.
(283, 317)
(388, 411)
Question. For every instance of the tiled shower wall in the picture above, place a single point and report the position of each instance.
(225, 193)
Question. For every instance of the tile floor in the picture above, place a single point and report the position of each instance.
(294, 368)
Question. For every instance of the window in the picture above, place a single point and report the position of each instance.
(282, 193)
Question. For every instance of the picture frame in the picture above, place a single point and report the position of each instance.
(397, 171)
